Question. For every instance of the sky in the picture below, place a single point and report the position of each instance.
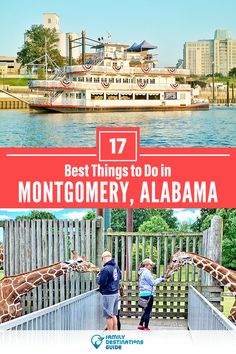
(167, 24)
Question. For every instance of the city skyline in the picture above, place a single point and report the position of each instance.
(169, 25)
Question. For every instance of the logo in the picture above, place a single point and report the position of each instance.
(115, 274)
(97, 340)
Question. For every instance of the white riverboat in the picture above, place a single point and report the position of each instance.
(116, 77)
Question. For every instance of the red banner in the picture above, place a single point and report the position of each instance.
(118, 173)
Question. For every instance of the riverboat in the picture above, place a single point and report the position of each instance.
(116, 77)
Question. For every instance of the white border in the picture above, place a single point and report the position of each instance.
(118, 131)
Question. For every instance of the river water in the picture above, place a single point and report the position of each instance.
(213, 128)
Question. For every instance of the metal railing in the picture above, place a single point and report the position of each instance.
(128, 70)
(202, 315)
(82, 312)
(114, 86)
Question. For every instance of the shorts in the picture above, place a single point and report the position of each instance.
(110, 305)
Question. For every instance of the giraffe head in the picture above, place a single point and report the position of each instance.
(80, 264)
(176, 262)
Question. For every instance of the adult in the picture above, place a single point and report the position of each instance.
(146, 287)
(108, 280)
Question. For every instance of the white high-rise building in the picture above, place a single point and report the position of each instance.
(52, 20)
(200, 56)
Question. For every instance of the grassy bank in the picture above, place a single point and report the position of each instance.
(14, 82)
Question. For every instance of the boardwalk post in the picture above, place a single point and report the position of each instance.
(100, 241)
(212, 248)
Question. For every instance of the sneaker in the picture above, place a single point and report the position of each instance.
(146, 329)
(140, 327)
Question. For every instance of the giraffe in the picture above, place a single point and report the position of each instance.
(225, 276)
(1, 257)
(12, 288)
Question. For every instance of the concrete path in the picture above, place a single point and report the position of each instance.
(155, 324)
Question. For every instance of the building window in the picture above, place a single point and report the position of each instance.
(112, 96)
(118, 80)
(154, 96)
(126, 96)
(125, 81)
(96, 79)
(140, 96)
(49, 20)
(78, 96)
(170, 95)
(97, 96)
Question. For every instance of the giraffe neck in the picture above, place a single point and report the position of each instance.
(23, 283)
(1, 257)
(225, 276)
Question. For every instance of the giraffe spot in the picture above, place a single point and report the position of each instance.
(6, 291)
(47, 277)
(220, 276)
(52, 271)
(5, 318)
(214, 274)
(224, 271)
(11, 298)
(38, 282)
(24, 288)
(232, 278)
(18, 281)
(32, 277)
(6, 281)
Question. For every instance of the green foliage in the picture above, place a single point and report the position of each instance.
(229, 238)
(36, 214)
(155, 224)
(34, 46)
(118, 218)
(232, 72)
(185, 227)
(89, 216)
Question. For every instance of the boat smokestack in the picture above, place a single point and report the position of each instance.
(83, 46)
(70, 50)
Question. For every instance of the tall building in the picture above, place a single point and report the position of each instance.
(200, 56)
(52, 20)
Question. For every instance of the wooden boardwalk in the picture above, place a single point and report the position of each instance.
(155, 324)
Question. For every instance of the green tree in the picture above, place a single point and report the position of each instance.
(37, 38)
(229, 239)
(90, 215)
(36, 214)
(232, 72)
(155, 224)
(118, 218)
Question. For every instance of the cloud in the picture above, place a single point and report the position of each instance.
(4, 217)
(187, 215)
(75, 215)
